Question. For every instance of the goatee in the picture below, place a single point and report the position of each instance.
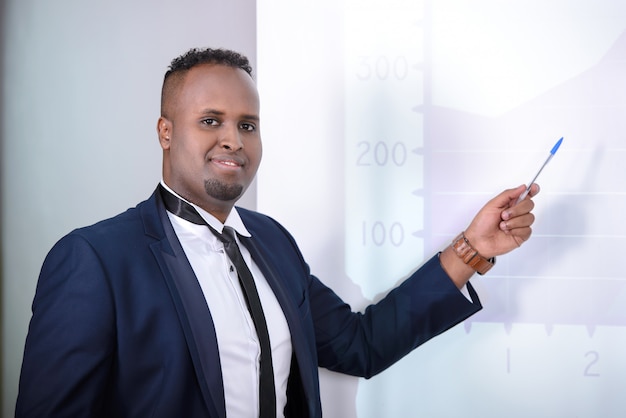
(223, 191)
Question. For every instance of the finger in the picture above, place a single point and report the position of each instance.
(522, 208)
(522, 235)
(527, 194)
(534, 190)
(518, 222)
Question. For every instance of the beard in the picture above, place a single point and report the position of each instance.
(223, 191)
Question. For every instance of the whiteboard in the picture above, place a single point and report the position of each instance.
(388, 124)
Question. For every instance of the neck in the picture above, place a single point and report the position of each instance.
(220, 214)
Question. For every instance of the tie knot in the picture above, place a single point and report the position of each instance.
(227, 236)
(228, 233)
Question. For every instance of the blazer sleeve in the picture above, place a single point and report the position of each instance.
(363, 344)
(68, 350)
(426, 304)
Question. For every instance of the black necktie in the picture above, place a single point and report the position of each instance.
(267, 393)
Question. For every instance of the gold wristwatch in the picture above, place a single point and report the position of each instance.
(470, 256)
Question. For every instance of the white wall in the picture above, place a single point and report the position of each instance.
(81, 87)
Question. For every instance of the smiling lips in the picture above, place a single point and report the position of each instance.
(228, 162)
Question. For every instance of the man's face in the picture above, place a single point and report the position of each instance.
(211, 138)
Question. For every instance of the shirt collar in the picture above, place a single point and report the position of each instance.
(233, 220)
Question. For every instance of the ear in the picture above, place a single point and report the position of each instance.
(164, 129)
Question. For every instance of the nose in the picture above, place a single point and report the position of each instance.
(231, 138)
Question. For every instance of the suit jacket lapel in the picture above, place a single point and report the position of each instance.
(191, 307)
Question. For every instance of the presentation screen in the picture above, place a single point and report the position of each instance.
(388, 124)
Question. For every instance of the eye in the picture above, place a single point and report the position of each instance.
(248, 127)
(210, 121)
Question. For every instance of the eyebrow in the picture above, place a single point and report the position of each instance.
(208, 112)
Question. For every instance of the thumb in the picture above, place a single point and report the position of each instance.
(508, 197)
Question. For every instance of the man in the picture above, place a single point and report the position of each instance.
(144, 314)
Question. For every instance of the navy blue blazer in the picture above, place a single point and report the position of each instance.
(120, 327)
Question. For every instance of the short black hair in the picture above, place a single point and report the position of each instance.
(219, 56)
(198, 56)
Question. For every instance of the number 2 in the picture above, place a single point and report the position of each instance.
(595, 357)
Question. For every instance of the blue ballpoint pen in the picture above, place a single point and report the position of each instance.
(552, 152)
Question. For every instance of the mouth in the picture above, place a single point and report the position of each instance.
(228, 162)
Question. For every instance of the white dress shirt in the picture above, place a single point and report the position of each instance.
(237, 341)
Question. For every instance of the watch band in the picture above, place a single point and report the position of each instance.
(470, 256)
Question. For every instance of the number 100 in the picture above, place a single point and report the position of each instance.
(379, 234)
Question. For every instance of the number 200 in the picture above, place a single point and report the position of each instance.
(380, 154)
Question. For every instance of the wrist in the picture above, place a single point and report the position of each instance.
(457, 271)
(464, 250)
